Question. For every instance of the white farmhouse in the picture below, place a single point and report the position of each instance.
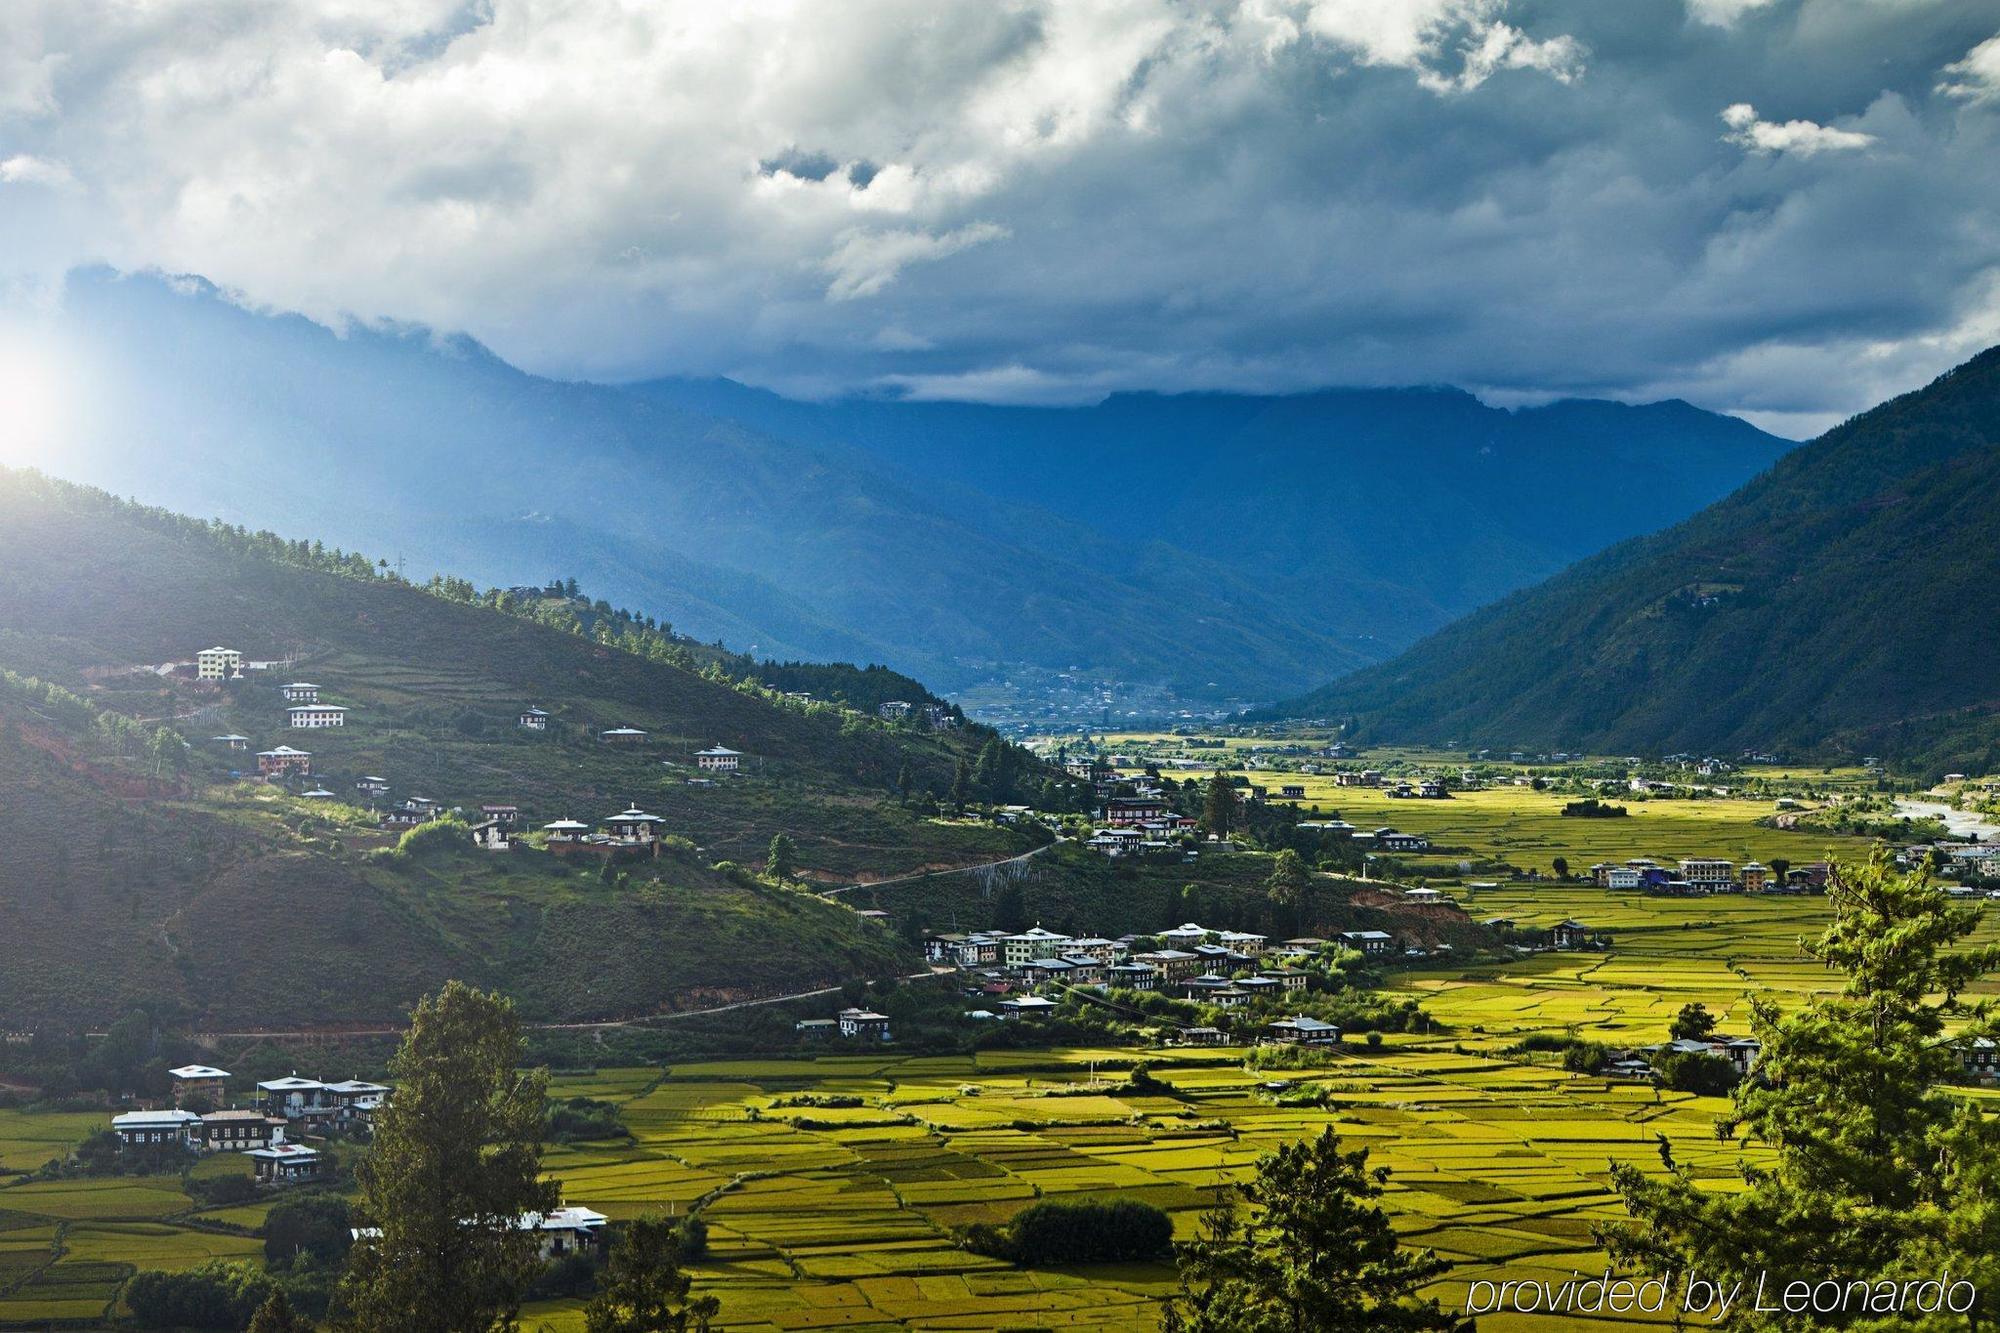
(316, 715)
(719, 759)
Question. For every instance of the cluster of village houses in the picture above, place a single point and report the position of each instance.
(935, 716)
(283, 1112)
(267, 1130)
(631, 832)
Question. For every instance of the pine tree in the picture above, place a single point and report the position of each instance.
(1876, 1170)
(961, 784)
(1219, 808)
(644, 1289)
(1316, 1255)
(782, 861)
(455, 1164)
(1290, 880)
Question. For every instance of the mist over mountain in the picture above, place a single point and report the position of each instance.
(1218, 545)
(1842, 601)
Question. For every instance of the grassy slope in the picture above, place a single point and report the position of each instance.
(1842, 597)
(210, 899)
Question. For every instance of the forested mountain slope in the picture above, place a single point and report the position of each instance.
(136, 870)
(1844, 600)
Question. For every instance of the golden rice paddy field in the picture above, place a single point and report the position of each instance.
(841, 1217)
(1527, 828)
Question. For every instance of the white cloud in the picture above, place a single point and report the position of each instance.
(1802, 137)
(1723, 13)
(24, 169)
(1977, 77)
(1427, 35)
(867, 261)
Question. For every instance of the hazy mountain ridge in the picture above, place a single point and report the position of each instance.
(1222, 544)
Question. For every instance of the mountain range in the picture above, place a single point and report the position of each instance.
(1843, 602)
(1220, 546)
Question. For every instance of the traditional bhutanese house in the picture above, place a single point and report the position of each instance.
(301, 692)
(532, 719)
(564, 1231)
(1170, 965)
(1103, 950)
(1260, 987)
(1242, 942)
(199, 1083)
(356, 1099)
(372, 786)
(1570, 934)
(718, 759)
(816, 1027)
(1288, 978)
(622, 736)
(864, 1023)
(231, 741)
(1131, 976)
(317, 794)
(1040, 971)
(1367, 941)
(1202, 1036)
(284, 1163)
(490, 835)
(633, 827)
(154, 1129)
(1755, 875)
(1293, 791)
(1979, 1057)
(239, 1131)
(309, 716)
(284, 762)
(218, 664)
(566, 835)
(510, 815)
(1303, 1031)
(1183, 937)
(1027, 1006)
(295, 1098)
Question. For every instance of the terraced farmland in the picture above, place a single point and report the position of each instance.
(826, 1218)
(66, 1246)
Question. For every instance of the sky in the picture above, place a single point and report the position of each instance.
(1786, 209)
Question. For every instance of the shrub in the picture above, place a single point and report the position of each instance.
(313, 1226)
(213, 1295)
(1592, 808)
(581, 1119)
(1053, 1232)
(1704, 1075)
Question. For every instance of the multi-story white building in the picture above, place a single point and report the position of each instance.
(301, 692)
(1709, 875)
(1031, 944)
(217, 664)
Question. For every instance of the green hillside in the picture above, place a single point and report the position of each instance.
(1843, 602)
(138, 869)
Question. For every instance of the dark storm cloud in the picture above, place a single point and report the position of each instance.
(1782, 208)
